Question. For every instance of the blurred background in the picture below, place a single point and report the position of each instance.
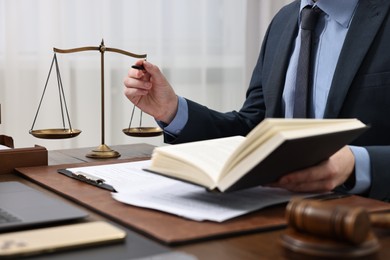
(206, 48)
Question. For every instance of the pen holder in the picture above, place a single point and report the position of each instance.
(319, 229)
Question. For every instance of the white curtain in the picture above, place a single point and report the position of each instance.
(206, 48)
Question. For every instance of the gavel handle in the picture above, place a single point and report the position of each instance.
(381, 220)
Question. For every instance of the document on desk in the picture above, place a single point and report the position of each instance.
(140, 188)
(3, 147)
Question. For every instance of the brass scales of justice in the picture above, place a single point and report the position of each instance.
(102, 151)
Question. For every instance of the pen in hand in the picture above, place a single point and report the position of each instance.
(138, 67)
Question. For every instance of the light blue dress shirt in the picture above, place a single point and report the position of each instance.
(179, 121)
(329, 37)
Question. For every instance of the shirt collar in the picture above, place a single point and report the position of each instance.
(339, 10)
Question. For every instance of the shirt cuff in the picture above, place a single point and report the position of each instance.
(179, 121)
(362, 170)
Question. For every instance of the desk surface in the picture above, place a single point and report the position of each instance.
(262, 245)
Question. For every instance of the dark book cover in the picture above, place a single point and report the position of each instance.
(293, 155)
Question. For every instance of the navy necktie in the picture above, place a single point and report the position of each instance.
(309, 17)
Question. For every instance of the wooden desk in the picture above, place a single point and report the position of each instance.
(263, 245)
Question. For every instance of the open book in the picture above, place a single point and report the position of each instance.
(273, 148)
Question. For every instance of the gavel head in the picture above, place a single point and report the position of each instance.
(344, 223)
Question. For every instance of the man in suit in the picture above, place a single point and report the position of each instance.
(351, 80)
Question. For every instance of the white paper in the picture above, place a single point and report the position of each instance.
(3, 147)
(140, 188)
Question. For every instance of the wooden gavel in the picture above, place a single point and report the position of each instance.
(352, 224)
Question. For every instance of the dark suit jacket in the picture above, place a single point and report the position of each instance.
(360, 87)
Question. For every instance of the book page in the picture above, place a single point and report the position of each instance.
(199, 162)
(143, 189)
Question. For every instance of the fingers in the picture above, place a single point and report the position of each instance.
(134, 83)
(137, 83)
(144, 70)
(137, 73)
(154, 74)
(319, 178)
(322, 185)
(325, 176)
(151, 68)
(135, 89)
(138, 65)
(135, 94)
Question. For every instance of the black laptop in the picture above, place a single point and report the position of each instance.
(22, 206)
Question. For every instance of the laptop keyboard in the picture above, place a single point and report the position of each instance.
(6, 217)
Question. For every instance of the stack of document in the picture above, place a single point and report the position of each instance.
(140, 188)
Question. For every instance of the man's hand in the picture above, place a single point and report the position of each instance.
(323, 177)
(151, 92)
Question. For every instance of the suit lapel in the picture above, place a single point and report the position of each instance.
(273, 92)
(365, 25)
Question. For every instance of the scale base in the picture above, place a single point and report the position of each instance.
(103, 152)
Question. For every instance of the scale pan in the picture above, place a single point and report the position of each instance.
(57, 133)
(143, 131)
